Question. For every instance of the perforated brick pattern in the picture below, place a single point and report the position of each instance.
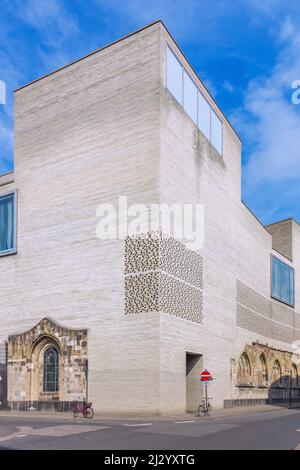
(3, 353)
(265, 317)
(163, 275)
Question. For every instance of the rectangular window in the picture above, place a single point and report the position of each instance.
(174, 76)
(7, 224)
(292, 287)
(283, 279)
(216, 132)
(190, 97)
(203, 115)
(276, 268)
(285, 283)
(187, 93)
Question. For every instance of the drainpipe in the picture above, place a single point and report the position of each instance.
(86, 371)
(291, 379)
(13, 374)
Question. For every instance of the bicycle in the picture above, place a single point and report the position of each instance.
(85, 408)
(204, 409)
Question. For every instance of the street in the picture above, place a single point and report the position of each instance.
(271, 429)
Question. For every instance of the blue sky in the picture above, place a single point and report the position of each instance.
(247, 53)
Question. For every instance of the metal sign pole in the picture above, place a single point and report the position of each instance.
(86, 379)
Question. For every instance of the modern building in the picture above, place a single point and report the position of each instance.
(134, 321)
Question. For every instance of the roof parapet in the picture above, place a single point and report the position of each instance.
(7, 178)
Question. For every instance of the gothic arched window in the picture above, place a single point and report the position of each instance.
(51, 360)
(244, 371)
(294, 375)
(276, 372)
(263, 373)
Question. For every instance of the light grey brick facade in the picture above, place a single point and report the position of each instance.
(104, 127)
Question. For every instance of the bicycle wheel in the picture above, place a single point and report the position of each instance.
(89, 413)
(209, 410)
(201, 411)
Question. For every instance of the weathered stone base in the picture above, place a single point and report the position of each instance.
(260, 401)
(245, 402)
(41, 405)
(26, 352)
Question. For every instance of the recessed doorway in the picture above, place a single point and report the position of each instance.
(194, 389)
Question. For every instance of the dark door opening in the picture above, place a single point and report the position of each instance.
(3, 386)
(194, 389)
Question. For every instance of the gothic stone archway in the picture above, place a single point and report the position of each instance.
(267, 378)
(26, 386)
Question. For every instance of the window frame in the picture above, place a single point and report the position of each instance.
(212, 109)
(263, 369)
(244, 371)
(13, 250)
(198, 124)
(185, 73)
(46, 351)
(279, 368)
(182, 74)
(274, 296)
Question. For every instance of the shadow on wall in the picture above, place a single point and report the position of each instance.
(265, 375)
(285, 392)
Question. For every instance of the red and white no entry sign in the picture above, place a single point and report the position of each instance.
(206, 376)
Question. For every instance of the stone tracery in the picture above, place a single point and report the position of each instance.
(26, 366)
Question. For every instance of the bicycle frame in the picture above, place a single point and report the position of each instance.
(81, 407)
(205, 407)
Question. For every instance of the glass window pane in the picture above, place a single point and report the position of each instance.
(203, 115)
(190, 97)
(292, 287)
(276, 268)
(174, 76)
(51, 370)
(7, 223)
(216, 132)
(285, 282)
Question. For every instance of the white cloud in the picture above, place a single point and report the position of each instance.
(54, 25)
(187, 20)
(57, 28)
(6, 145)
(2, 92)
(11, 75)
(271, 124)
(209, 85)
(228, 86)
(50, 18)
(275, 120)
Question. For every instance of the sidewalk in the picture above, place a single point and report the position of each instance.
(220, 413)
